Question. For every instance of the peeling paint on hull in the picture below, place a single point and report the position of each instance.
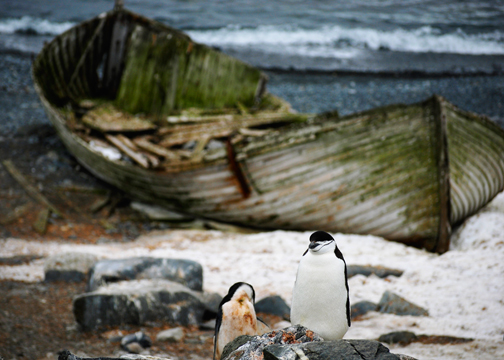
(407, 173)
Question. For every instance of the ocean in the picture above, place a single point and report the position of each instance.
(320, 55)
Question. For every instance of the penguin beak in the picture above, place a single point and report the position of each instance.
(313, 245)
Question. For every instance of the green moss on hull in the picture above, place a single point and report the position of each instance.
(166, 72)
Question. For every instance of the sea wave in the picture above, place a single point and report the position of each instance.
(35, 26)
(337, 41)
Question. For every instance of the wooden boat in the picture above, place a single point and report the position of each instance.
(177, 123)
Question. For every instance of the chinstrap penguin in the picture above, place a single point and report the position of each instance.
(236, 316)
(320, 299)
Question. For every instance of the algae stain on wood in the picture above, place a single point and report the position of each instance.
(166, 72)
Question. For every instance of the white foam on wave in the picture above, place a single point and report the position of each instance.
(336, 41)
(36, 25)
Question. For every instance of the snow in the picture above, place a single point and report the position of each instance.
(463, 289)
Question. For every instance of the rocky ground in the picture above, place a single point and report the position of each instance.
(36, 320)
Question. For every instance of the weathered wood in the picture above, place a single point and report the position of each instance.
(85, 53)
(100, 203)
(166, 71)
(15, 214)
(138, 158)
(406, 173)
(156, 149)
(107, 118)
(30, 190)
(180, 134)
(40, 224)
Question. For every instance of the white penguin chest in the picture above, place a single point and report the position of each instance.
(320, 297)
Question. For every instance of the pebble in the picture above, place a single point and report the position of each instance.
(171, 335)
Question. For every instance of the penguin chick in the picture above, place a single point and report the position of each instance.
(236, 316)
(320, 299)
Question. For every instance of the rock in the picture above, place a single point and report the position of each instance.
(405, 357)
(398, 337)
(185, 272)
(138, 302)
(158, 213)
(391, 303)
(69, 267)
(134, 348)
(379, 271)
(139, 338)
(338, 349)
(361, 308)
(299, 343)
(212, 302)
(67, 355)
(251, 347)
(273, 305)
(171, 335)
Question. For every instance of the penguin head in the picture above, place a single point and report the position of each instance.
(240, 292)
(321, 243)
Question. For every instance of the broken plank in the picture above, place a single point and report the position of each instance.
(14, 215)
(145, 144)
(197, 154)
(138, 158)
(30, 190)
(40, 225)
(127, 141)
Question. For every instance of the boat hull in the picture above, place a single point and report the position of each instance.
(406, 173)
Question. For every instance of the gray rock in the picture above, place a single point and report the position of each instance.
(273, 305)
(391, 303)
(251, 347)
(67, 355)
(361, 308)
(405, 357)
(398, 337)
(185, 272)
(339, 349)
(138, 302)
(171, 335)
(379, 271)
(139, 338)
(299, 343)
(69, 267)
(212, 302)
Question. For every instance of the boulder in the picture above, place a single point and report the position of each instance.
(361, 308)
(297, 342)
(398, 337)
(380, 271)
(69, 267)
(391, 303)
(251, 347)
(67, 355)
(185, 272)
(274, 305)
(338, 349)
(138, 302)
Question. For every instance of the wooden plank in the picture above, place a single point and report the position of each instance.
(138, 158)
(145, 144)
(40, 225)
(30, 190)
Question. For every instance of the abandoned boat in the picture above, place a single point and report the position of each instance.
(183, 125)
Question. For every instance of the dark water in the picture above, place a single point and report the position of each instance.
(366, 36)
(391, 50)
